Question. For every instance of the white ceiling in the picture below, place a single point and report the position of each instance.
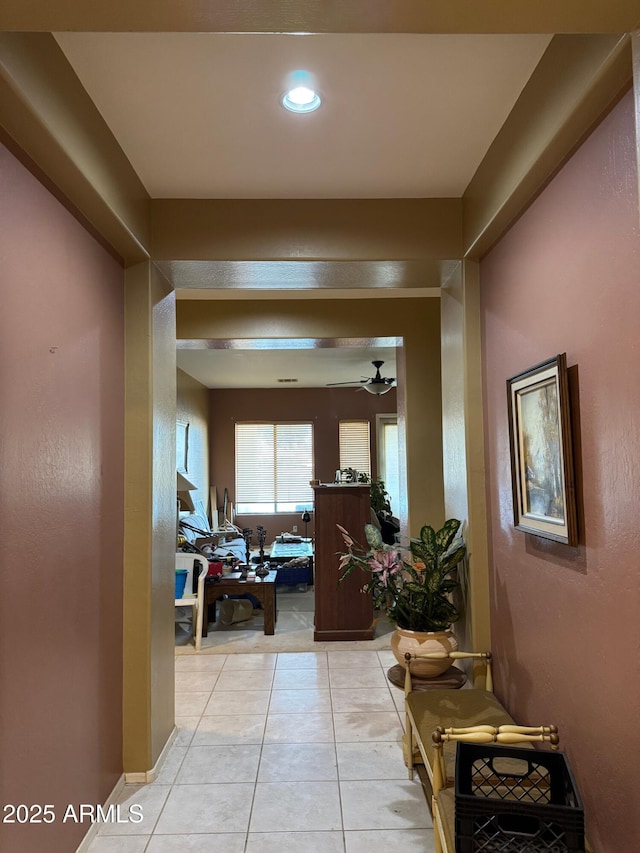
(310, 365)
(199, 116)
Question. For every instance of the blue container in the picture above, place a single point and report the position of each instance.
(293, 575)
(181, 580)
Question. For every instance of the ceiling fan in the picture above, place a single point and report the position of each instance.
(375, 384)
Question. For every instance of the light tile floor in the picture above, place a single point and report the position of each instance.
(280, 753)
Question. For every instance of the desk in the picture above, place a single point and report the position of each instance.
(263, 589)
(282, 552)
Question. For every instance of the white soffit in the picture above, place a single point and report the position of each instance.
(311, 366)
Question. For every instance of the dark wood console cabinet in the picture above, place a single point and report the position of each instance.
(342, 612)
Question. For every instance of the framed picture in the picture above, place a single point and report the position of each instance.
(544, 500)
(182, 446)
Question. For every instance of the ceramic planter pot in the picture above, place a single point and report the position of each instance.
(421, 642)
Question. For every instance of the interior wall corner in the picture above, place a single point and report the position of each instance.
(149, 507)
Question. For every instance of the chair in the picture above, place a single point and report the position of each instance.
(189, 599)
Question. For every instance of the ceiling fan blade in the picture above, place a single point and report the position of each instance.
(371, 383)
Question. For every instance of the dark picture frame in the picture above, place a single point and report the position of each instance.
(542, 470)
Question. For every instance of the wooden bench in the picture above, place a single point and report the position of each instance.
(428, 710)
(437, 719)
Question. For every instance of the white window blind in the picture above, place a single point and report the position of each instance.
(274, 464)
(355, 446)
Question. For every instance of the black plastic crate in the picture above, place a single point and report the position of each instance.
(515, 800)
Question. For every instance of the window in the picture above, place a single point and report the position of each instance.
(274, 463)
(389, 457)
(355, 446)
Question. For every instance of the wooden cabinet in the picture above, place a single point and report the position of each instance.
(342, 612)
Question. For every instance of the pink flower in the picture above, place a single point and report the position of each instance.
(346, 536)
(385, 563)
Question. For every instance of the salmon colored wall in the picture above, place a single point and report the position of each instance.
(565, 620)
(61, 493)
(323, 407)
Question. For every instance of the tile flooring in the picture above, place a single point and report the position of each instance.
(294, 752)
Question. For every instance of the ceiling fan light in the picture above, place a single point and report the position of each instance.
(377, 388)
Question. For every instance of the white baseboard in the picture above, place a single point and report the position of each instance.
(93, 829)
(138, 778)
(143, 777)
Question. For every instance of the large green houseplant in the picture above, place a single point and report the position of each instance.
(413, 586)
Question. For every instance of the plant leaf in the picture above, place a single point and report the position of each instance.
(374, 537)
(446, 534)
(453, 556)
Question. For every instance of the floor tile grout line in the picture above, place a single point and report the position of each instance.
(339, 778)
(335, 751)
(255, 784)
(166, 799)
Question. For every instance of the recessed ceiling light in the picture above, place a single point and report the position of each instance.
(301, 95)
(301, 100)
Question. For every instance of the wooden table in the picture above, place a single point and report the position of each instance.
(263, 589)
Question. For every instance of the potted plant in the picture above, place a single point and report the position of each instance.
(413, 587)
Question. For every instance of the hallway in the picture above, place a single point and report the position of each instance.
(283, 752)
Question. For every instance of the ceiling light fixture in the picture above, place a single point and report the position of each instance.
(375, 388)
(300, 95)
(374, 384)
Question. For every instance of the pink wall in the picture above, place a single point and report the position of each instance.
(61, 495)
(323, 407)
(565, 620)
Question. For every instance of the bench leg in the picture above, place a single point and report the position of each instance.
(410, 752)
(408, 745)
(436, 827)
(407, 749)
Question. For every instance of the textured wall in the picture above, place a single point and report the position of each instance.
(61, 492)
(565, 620)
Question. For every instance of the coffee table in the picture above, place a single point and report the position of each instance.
(264, 589)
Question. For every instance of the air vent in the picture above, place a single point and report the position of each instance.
(287, 380)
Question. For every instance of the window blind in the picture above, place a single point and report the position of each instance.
(355, 446)
(274, 464)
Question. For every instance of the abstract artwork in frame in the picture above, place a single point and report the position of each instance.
(544, 500)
